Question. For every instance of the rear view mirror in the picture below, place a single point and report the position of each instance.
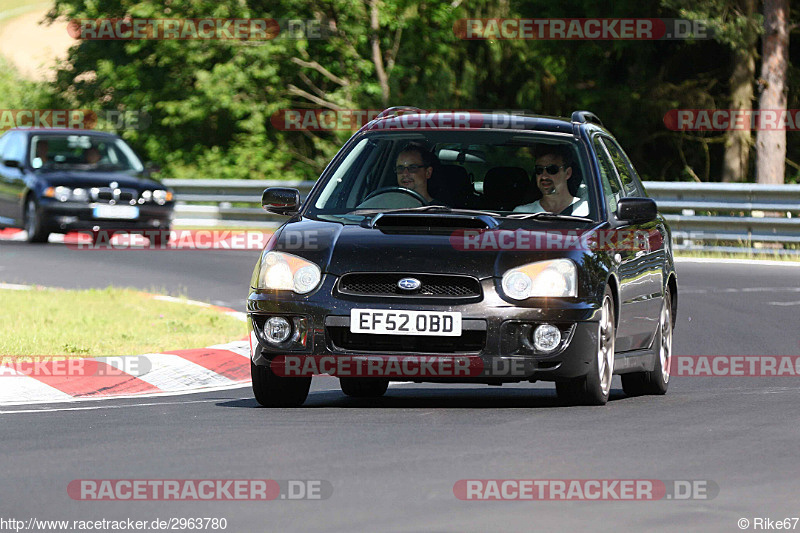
(636, 210)
(280, 200)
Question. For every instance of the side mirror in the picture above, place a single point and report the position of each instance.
(13, 163)
(636, 210)
(280, 200)
(151, 168)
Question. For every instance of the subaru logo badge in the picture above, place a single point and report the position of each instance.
(409, 284)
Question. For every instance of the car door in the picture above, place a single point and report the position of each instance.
(638, 268)
(12, 183)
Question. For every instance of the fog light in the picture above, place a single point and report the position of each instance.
(277, 330)
(546, 338)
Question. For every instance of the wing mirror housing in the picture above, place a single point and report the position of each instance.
(281, 200)
(636, 210)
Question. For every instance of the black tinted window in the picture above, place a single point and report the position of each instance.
(624, 168)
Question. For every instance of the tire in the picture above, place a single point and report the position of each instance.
(656, 381)
(272, 390)
(364, 387)
(34, 225)
(594, 388)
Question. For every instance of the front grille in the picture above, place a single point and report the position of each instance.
(106, 194)
(433, 285)
(341, 338)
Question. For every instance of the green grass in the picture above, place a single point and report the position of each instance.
(96, 322)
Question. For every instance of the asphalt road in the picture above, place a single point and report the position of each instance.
(393, 462)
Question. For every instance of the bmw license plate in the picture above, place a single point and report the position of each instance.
(385, 322)
(119, 212)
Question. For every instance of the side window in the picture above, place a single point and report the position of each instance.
(15, 147)
(3, 141)
(624, 168)
(608, 176)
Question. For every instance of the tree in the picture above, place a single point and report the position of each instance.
(771, 142)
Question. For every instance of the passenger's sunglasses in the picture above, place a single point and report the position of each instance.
(411, 168)
(551, 169)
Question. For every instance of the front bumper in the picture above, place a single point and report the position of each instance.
(63, 217)
(495, 333)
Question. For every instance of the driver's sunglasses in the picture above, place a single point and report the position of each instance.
(411, 168)
(551, 169)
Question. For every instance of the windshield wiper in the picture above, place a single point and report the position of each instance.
(544, 215)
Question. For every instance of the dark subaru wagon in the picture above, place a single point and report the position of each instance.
(452, 237)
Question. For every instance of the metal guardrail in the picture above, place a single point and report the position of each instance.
(703, 216)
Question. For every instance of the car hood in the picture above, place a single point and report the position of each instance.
(84, 178)
(340, 248)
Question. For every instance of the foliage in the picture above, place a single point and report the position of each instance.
(211, 101)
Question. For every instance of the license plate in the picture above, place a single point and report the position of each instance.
(385, 322)
(126, 212)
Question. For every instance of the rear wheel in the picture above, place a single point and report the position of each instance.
(272, 390)
(364, 387)
(33, 223)
(594, 388)
(656, 381)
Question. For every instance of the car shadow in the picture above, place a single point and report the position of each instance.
(409, 397)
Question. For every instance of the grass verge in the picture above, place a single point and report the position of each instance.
(96, 322)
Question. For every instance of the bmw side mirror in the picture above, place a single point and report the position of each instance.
(636, 210)
(151, 168)
(281, 200)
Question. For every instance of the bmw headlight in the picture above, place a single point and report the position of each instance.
(62, 194)
(161, 196)
(287, 272)
(555, 278)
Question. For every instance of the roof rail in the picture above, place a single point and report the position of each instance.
(392, 111)
(586, 116)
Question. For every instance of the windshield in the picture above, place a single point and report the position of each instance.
(86, 152)
(499, 172)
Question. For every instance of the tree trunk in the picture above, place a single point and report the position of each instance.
(771, 140)
(736, 162)
(377, 55)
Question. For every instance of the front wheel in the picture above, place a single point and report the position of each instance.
(594, 388)
(33, 223)
(656, 381)
(272, 390)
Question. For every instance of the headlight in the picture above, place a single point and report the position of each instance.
(287, 272)
(161, 197)
(556, 278)
(80, 195)
(62, 194)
